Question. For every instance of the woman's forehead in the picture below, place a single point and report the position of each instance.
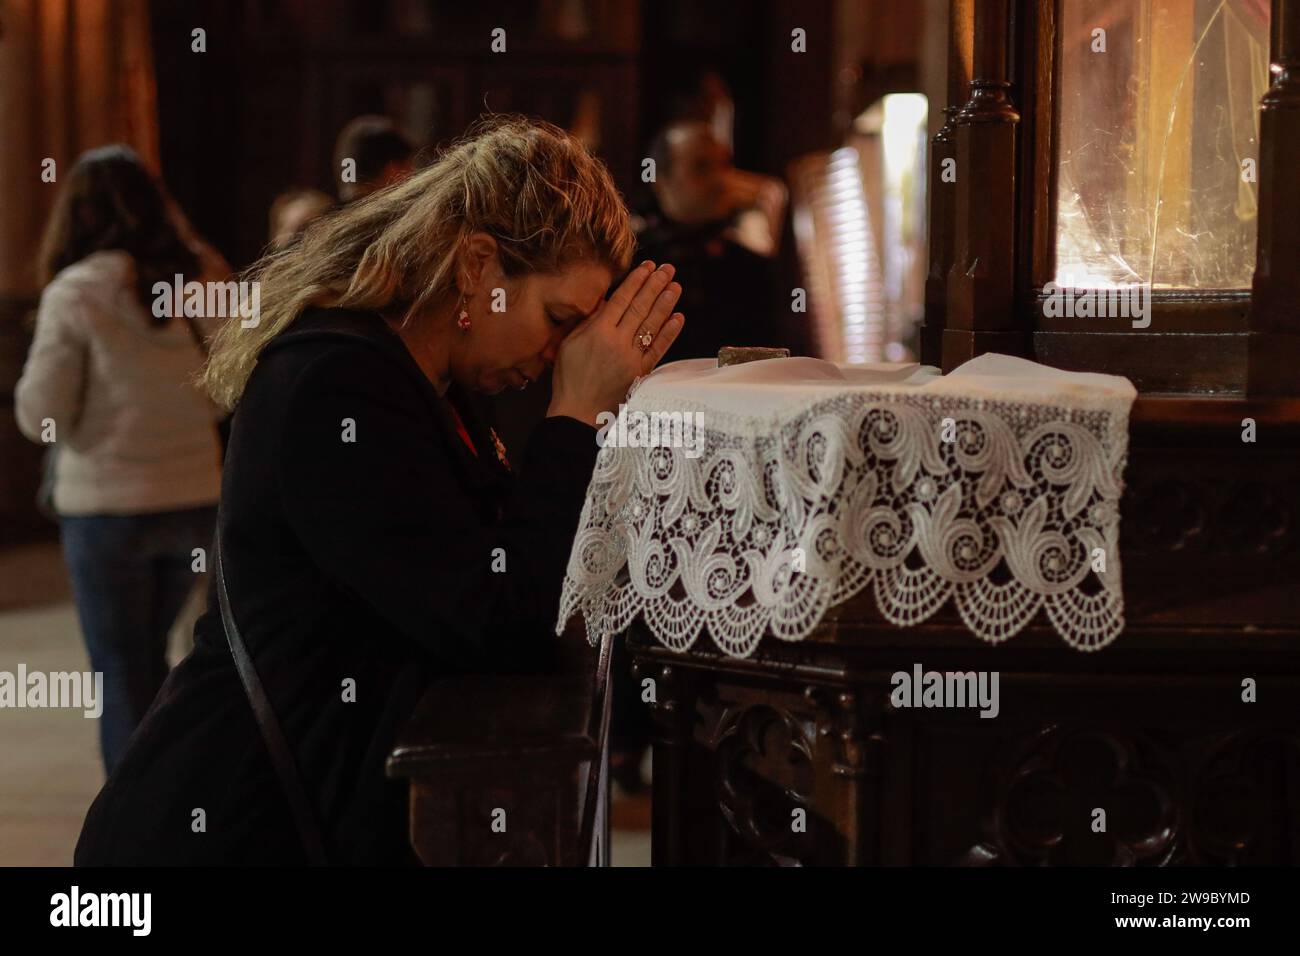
(581, 287)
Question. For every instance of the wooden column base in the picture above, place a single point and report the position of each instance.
(962, 345)
(1272, 364)
(931, 344)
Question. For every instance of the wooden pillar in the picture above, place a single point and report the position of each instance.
(942, 156)
(857, 767)
(980, 313)
(958, 26)
(672, 713)
(1273, 349)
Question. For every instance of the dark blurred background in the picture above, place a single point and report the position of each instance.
(258, 111)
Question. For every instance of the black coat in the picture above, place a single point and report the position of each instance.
(369, 560)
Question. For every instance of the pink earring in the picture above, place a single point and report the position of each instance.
(462, 320)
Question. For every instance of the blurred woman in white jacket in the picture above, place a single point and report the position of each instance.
(112, 387)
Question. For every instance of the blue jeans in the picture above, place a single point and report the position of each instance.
(130, 577)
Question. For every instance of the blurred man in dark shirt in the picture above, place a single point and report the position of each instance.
(719, 226)
(709, 225)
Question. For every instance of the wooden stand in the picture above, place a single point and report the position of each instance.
(1153, 730)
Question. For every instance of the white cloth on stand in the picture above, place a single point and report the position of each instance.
(746, 500)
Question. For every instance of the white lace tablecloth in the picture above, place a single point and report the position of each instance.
(996, 486)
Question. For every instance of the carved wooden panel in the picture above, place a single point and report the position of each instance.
(528, 819)
(1137, 768)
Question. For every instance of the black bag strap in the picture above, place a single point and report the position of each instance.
(281, 757)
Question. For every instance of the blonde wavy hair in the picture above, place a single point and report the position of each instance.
(530, 185)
